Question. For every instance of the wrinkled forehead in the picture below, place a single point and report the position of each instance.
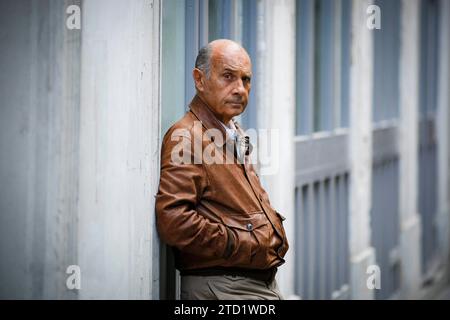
(231, 57)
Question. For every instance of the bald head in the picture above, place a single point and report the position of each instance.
(222, 77)
(215, 49)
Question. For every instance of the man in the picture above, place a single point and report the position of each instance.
(228, 239)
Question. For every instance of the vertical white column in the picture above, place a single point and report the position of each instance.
(361, 74)
(119, 154)
(443, 133)
(277, 78)
(410, 224)
(39, 141)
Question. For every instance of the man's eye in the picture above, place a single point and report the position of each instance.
(227, 76)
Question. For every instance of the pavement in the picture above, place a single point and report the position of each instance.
(443, 294)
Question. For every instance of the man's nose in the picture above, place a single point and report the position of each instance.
(239, 87)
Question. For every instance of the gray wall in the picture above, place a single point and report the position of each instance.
(79, 141)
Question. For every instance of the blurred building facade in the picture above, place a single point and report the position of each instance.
(363, 157)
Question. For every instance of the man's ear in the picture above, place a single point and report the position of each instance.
(199, 77)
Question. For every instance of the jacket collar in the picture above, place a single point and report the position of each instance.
(209, 121)
(204, 114)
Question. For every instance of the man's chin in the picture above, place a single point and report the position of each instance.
(237, 112)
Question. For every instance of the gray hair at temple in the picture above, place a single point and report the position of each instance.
(203, 59)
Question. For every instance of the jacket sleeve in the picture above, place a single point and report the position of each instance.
(180, 190)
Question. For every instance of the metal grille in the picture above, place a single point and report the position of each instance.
(322, 240)
(385, 224)
(322, 213)
(322, 180)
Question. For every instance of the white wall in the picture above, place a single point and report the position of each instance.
(360, 141)
(443, 133)
(119, 139)
(277, 79)
(410, 224)
(39, 77)
(79, 134)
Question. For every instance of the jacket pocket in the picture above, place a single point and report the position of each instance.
(247, 231)
(285, 240)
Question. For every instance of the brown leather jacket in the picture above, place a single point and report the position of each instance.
(215, 215)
